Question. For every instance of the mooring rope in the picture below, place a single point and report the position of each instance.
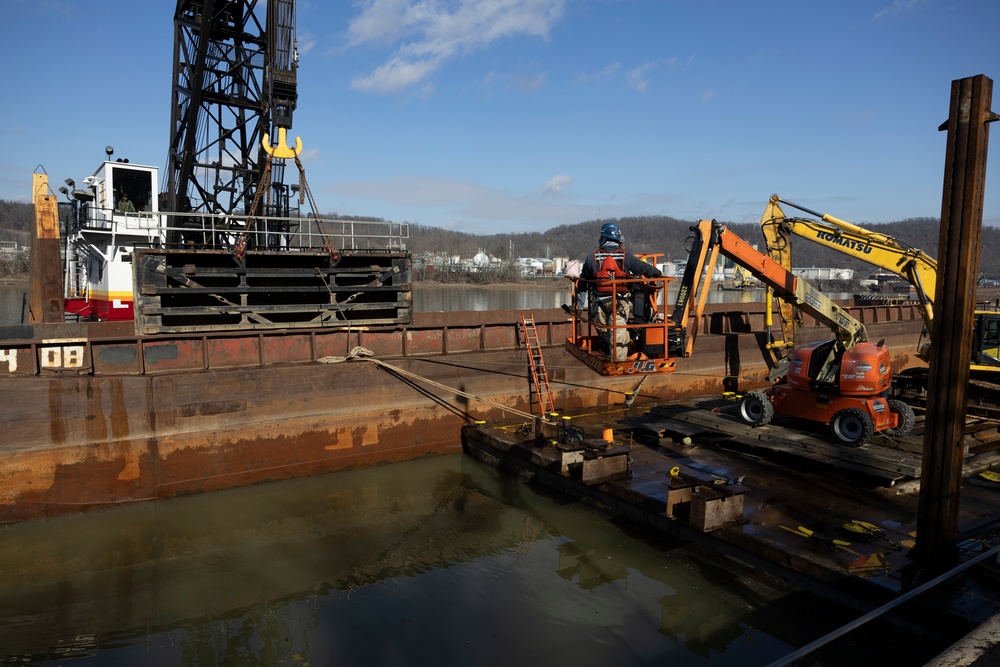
(364, 354)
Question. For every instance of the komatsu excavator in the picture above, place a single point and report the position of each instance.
(911, 264)
(842, 383)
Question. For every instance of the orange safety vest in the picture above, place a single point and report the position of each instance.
(610, 266)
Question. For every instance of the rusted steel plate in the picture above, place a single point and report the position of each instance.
(17, 359)
(498, 337)
(177, 354)
(425, 341)
(463, 339)
(382, 343)
(233, 351)
(287, 349)
(334, 342)
(116, 358)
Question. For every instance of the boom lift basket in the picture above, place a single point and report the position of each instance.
(647, 328)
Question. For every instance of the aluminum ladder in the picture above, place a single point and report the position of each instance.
(536, 363)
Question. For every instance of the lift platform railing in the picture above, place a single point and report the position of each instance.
(643, 299)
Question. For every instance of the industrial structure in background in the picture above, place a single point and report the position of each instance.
(225, 244)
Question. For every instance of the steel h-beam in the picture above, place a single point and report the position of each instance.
(955, 298)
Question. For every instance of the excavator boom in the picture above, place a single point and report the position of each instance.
(911, 264)
(711, 239)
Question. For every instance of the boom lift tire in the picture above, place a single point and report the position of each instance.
(756, 408)
(852, 427)
(905, 416)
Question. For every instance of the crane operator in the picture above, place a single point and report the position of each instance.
(611, 262)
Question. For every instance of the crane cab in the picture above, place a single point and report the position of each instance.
(116, 211)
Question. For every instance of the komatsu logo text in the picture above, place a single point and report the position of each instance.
(847, 243)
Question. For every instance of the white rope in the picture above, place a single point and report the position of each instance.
(364, 354)
(357, 353)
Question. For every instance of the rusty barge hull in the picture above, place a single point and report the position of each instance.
(95, 417)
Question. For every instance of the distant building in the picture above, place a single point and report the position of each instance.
(815, 274)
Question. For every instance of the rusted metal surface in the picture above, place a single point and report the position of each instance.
(155, 417)
(101, 349)
(959, 249)
(187, 291)
(45, 297)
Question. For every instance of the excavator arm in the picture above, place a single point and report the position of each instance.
(712, 238)
(911, 264)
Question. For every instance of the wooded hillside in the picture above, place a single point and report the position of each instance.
(645, 234)
(656, 234)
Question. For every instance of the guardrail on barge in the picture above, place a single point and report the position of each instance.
(95, 349)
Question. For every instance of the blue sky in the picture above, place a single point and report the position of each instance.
(490, 116)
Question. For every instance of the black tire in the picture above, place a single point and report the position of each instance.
(852, 427)
(756, 408)
(905, 415)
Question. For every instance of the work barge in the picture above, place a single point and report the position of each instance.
(780, 500)
(96, 414)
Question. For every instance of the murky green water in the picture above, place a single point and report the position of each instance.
(441, 561)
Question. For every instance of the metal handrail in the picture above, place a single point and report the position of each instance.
(221, 230)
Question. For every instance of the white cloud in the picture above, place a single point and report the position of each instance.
(897, 7)
(395, 75)
(586, 77)
(529, 82)
(557, 183)
(305, 43)
(431, 32)
(478, 209)
(637, 79)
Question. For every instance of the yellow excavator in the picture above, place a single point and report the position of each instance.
(911, 264)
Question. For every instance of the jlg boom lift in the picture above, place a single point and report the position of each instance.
(841, 382)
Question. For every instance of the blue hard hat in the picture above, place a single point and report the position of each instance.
(611, 232)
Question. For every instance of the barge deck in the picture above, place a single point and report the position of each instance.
(688, 471)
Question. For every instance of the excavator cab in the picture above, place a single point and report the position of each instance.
(986, 341)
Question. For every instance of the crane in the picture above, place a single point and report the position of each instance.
(234, 83)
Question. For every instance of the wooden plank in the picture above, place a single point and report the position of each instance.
(664, 427)
(870, 459)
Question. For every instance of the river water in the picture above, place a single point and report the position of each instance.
(432, 298)
(429, 298)
(438, 561)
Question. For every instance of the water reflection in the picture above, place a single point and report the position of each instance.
(435, 298)
(428, 297)
(440, 559)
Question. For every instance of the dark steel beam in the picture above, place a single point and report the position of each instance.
(958, 261)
